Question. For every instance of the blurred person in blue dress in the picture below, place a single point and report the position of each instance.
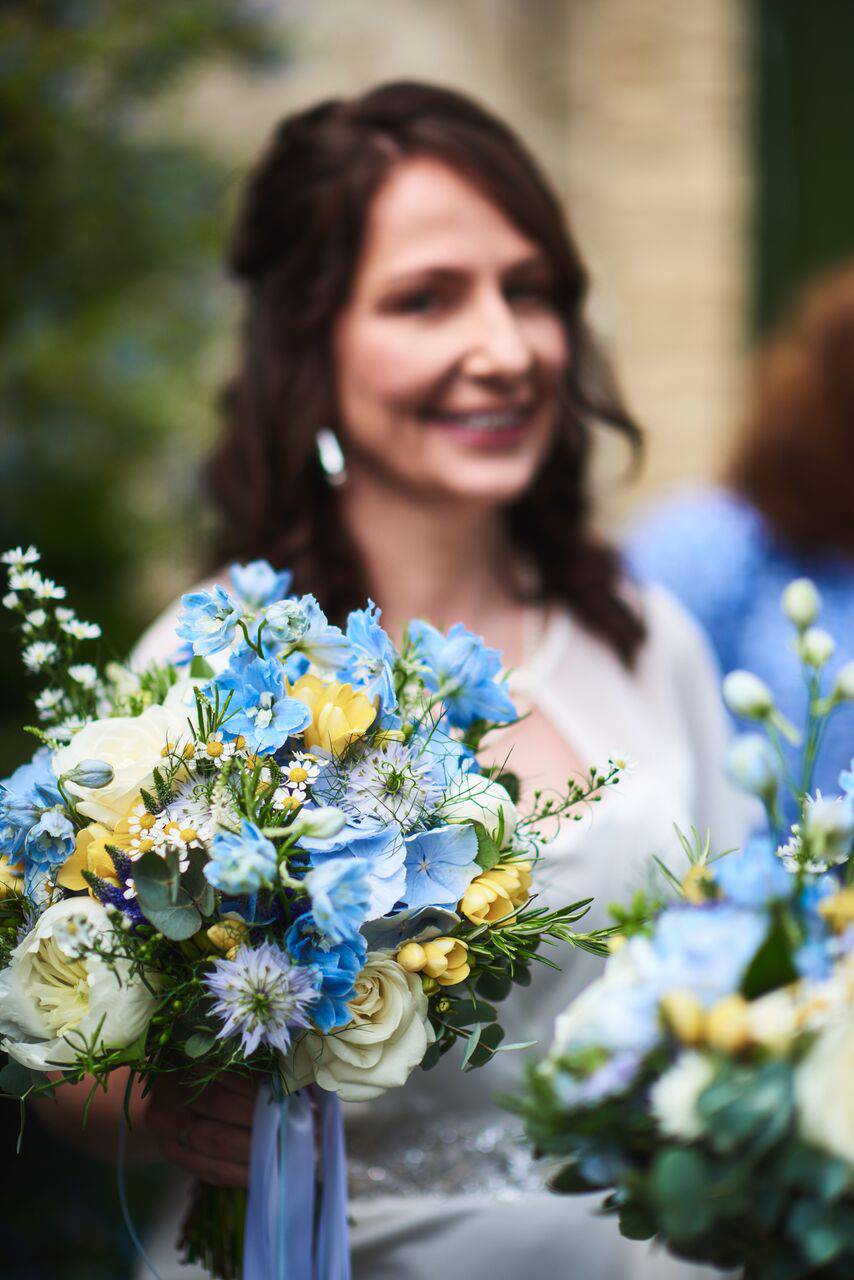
(785, 510)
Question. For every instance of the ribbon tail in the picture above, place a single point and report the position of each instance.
(333, 1247)
(280, 1207)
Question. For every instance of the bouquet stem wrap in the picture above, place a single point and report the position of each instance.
(296, 1223)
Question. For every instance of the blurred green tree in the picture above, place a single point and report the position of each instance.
(110, 292)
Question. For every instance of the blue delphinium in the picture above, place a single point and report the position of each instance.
(260, 708)
(258, 584)
(380, 845)
(465, 669)
(449, 756)
(208, 619)
(241, 862)
(340, 895)
(337, 965)
(324, 645)
(51, 841)
(24, 798)
(754, 877)
(440, 865)
(371, 667)
(263, 996)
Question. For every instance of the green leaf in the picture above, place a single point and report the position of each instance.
(472, 1043)
(198, 1044)
(18, 1080)
(771, 967)
(489, 1037)
(748, 1107)
(200, 669)
(464, 1012)
(195, 883)
(636, 1222)
(432, 1056)
(681, 1182)
(162, 899)
(510, 783)
(488, 852)
(569, 1180)
(494, 986)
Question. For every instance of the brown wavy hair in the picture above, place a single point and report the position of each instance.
(295, 248)
(795, 457)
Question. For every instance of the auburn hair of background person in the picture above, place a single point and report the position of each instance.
(794, 459)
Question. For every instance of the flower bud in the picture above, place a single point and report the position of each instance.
(726, 1024)
(319, 824)
(683, 1015)
(815, 647)
(446, 960)
(801, 602)
(91, 774)
(411, 957)
(828, 828)
(843, 689)
(746, 695)
(751, 764)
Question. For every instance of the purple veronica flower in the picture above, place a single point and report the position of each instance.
(261, 995)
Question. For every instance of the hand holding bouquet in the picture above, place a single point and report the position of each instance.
(278, 856)
(705, 1081)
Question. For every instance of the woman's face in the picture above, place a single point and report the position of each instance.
(449, 352)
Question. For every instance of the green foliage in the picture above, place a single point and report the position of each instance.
(110, 289)
(173, 903)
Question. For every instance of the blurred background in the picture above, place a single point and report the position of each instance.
(704, 150)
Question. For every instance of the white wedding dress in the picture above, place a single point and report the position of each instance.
(441, 1187)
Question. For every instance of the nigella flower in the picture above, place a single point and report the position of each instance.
(465, 670)
(258, 584)
(371, 667)
(261, 995)
(392, 784)
(208, 619)
(260, 708)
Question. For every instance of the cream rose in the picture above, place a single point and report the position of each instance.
(54, 995)
(132, 746)
(823, 1093)
(674, 1097)
(473, 798)
(385, 1040)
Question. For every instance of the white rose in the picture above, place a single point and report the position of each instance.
(53, 993)
(823, 1093)
(674, 1097)
(386, 1039)
(473, 798)
(132, 746)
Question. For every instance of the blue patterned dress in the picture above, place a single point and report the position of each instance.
(719, 557)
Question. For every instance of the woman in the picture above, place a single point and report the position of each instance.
(787, 511)
(411, 287)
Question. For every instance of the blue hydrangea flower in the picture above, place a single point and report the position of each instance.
(371, 666)
(448, 755)
(258, 584)
(262, 996)
(754, 877)
(51, 840)
(338, 967)
(208, 619)
(260, 707)
(241, 862)
(440, 865)
(24, 797)
(462, 666)
(382, 848)
(706, 949)
(340, 893)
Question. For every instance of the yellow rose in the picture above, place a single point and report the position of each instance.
(91, 853)
(339, 713)
(495, 895)
(10, 878)
(683, 1014)
(444, 959)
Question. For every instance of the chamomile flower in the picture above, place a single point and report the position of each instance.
(301, 771)
(25, 579)
(623, 761)
(18, 558)
(81, 630)
(84, 674)
(214, 750)
(46, 589)
(63, 614)
(39, 654)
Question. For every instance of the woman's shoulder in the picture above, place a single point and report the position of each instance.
(159, 643)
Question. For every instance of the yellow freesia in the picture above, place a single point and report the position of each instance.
(11, 880)
(443, 959)
(339, 713)
(228, 934)
(495, 895)
(90, 853)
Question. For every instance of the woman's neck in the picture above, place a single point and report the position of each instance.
(446, 562)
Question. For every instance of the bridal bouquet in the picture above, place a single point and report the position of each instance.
(277, 854)
(705, 1081)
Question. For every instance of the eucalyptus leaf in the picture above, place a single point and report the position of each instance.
(464, 1012)
(18, 1080)
(198, 1044)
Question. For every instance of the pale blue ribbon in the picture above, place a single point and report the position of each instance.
(285, 1239)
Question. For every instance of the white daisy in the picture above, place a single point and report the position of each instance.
(38, 654)
(81, 630)
(17, 558)
(48, 590)
(25, 579)
(11, 600)
(84, 674)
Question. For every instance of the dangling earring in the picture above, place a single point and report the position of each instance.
(331, 457)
